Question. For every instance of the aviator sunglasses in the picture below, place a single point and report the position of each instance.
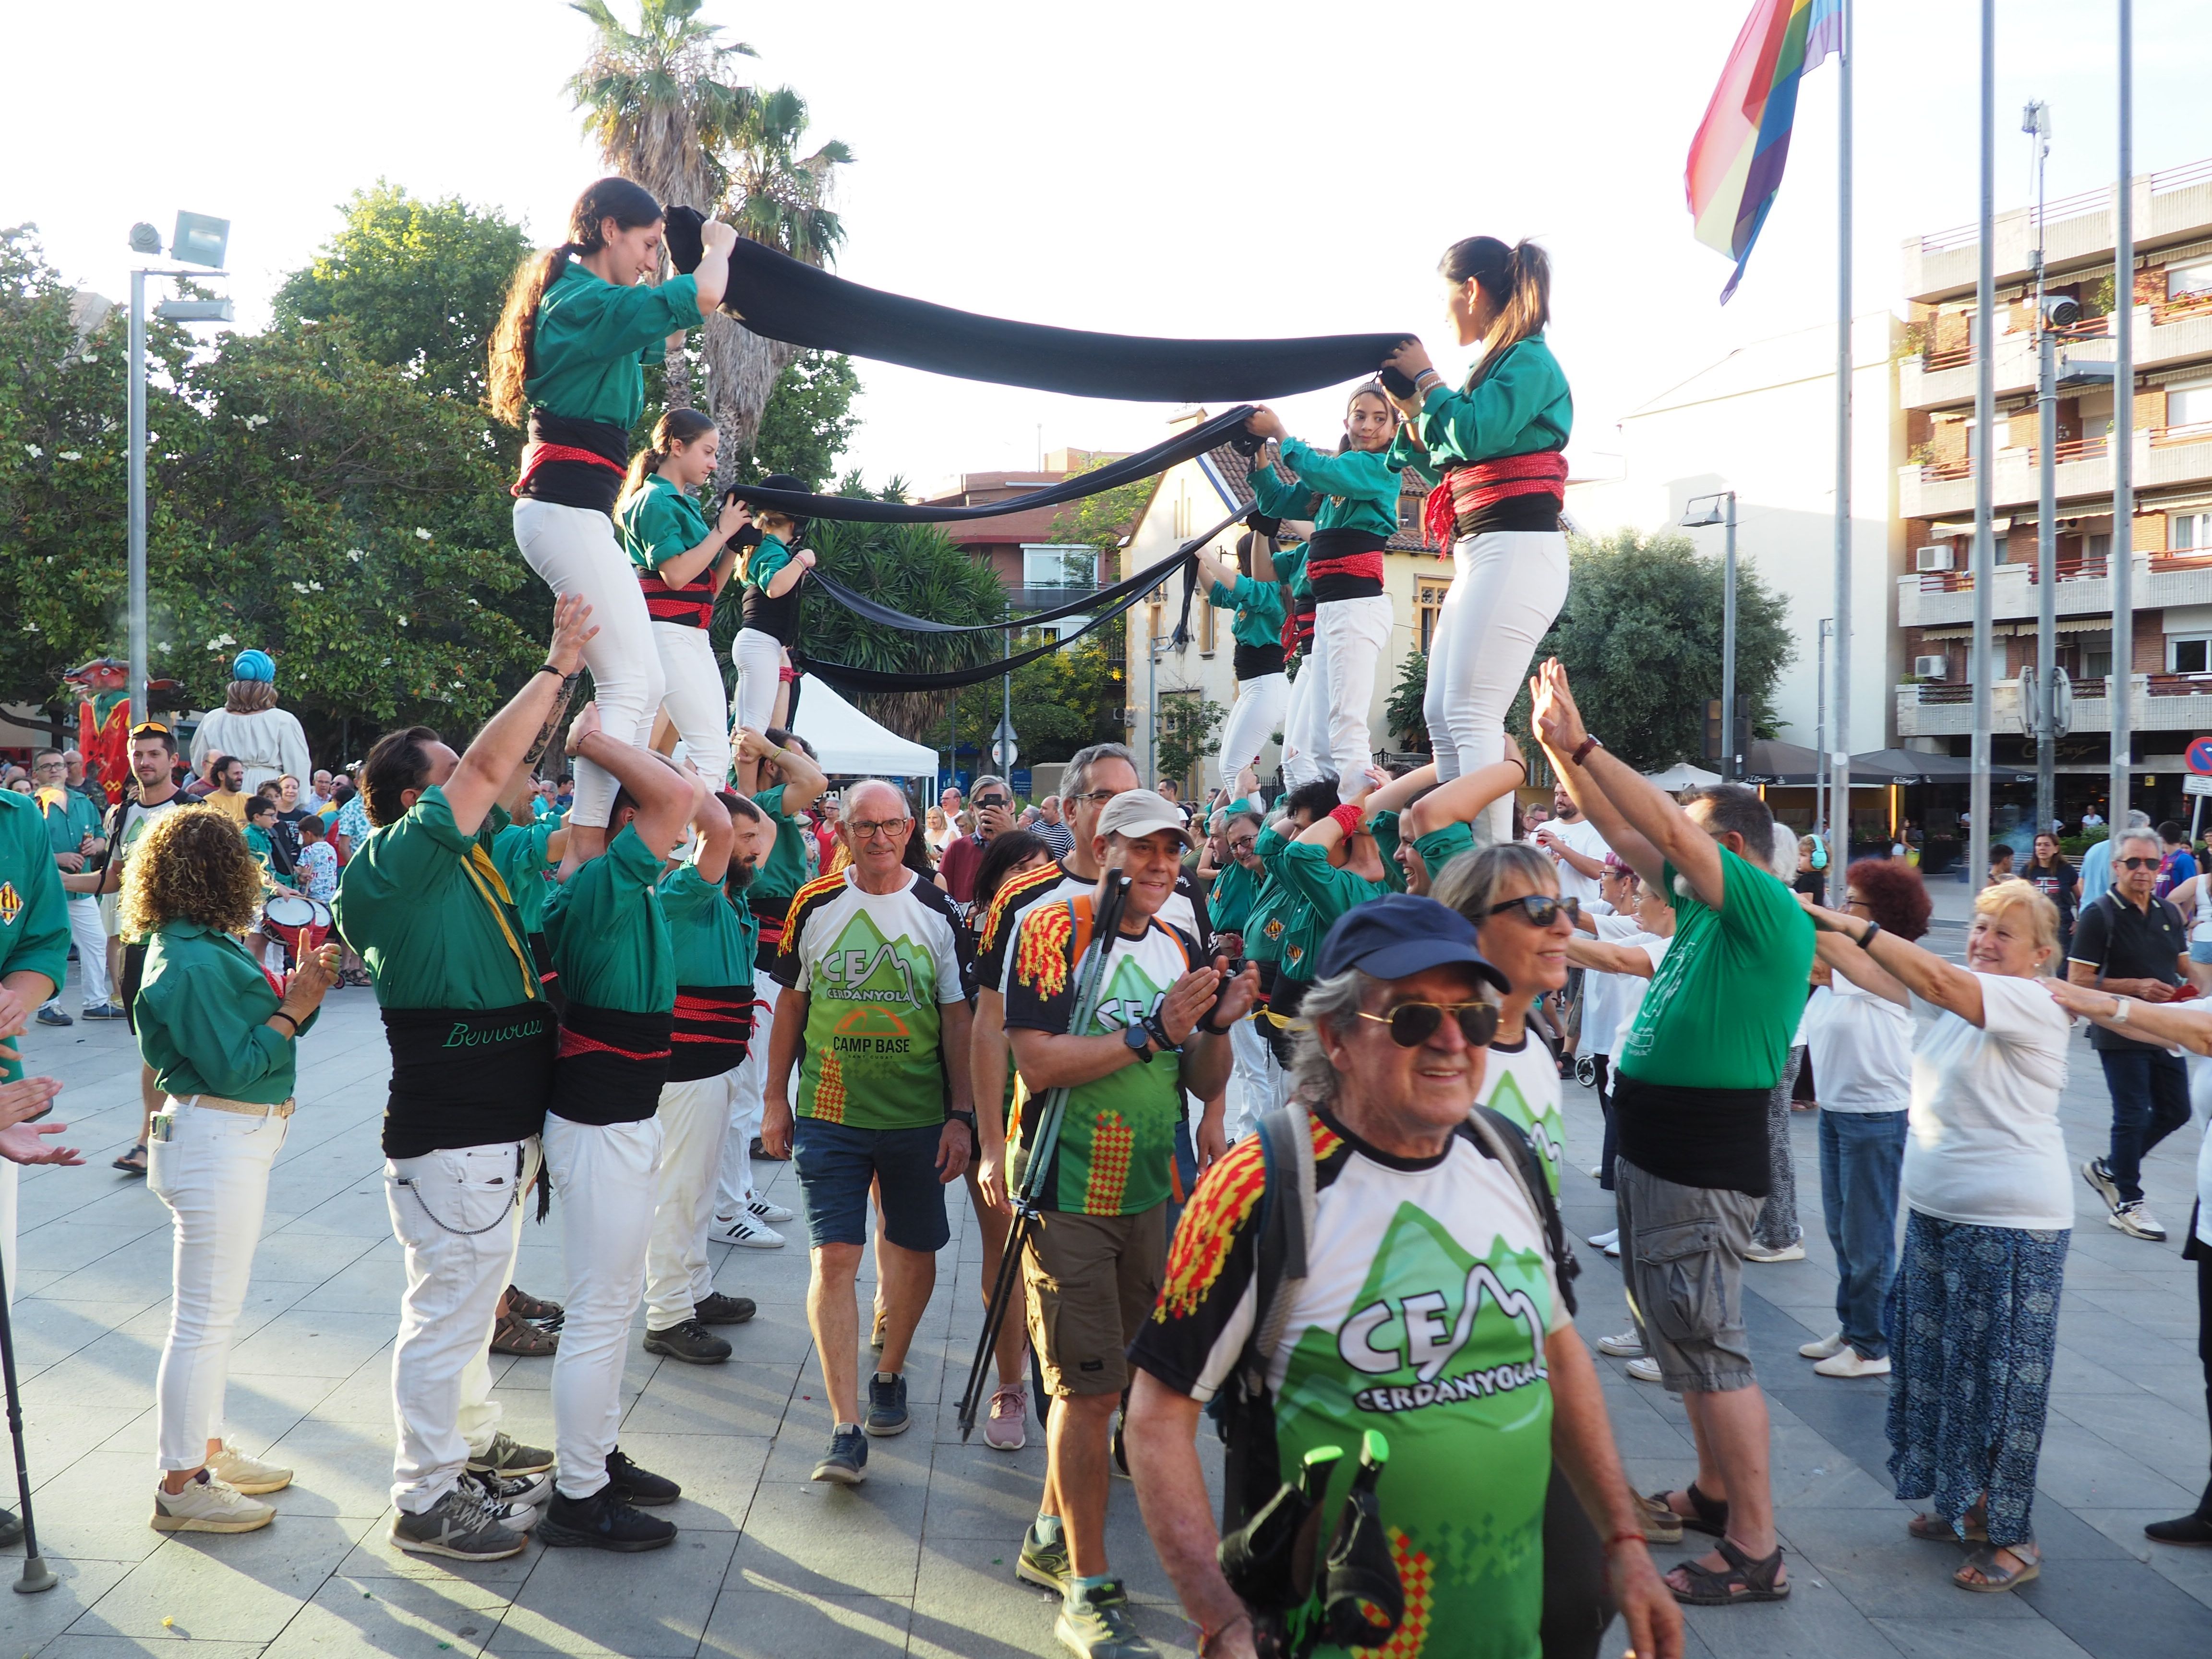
(1412, 1024)
(1540, 908)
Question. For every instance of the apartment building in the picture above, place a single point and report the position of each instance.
(1026, 551)
(2165, 668)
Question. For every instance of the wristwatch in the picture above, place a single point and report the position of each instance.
(2119, 1014)
(1139, 1041)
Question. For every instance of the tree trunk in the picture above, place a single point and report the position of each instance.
(676, 381)
(742, 369)
(918, 716)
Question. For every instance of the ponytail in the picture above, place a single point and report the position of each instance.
(677, 427)
(1519, 278)
(513, 342)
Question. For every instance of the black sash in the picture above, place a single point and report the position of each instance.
(712, 1025)
(467, 1076)
(1257, 661)
(612, 1064)
(575, 484)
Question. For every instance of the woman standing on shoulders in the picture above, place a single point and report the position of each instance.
(773, 572)
(1988, 1214)
(221, 1044)
(1263, 694)
(580, 324)
(1496, 444)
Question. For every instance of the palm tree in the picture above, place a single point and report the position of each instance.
(658, 101)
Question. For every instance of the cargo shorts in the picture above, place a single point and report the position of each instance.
(1681, 1250)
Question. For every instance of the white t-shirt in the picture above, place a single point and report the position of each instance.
(1985, 1146)
(1523, 1083)
(2200, 1098)
(1582, 835)
(1653, 946)
(1604, 994)
(1860, 1047)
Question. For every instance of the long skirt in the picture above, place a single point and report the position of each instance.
(1973, 1321)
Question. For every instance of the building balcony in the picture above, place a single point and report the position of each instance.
(2164, 456)
(2168, 206)
(2159, 702)
(1946, 598)
(2164, 336)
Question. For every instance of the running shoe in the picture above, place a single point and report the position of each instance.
(1097, 1624)
(461, 1525)
(1007, 1430)
(509, 1456)
(1042, 1564)
(887, 1413)
(846, 1462)
(207, 1504)
(602, 1522)
(249, 1474)
(2135, 1220)
(2099, 1174)
(640, 1486)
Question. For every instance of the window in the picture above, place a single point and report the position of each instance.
(1428, 601)
(2098, 547)
(1206, 614)
(2188, 654)
(2188, 404)
(2187, 281)
(2189, 532)
(1973, 438)
(1052, 565)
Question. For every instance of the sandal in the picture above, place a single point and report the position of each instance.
(132, 1162)
(521, 1338)
(523, 1305)
(1709, 1516)
(1744, 1580)
(1994, 1579)
(1936, 1530)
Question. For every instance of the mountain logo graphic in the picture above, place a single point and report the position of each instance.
(873, 1021)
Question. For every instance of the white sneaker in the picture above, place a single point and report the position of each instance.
(2135, 1220)
(1606, 1239)
(1597, 1172)
(1614, 1248)
(248, 1474)
(750, 1235)
(1788, 1253)
(1628, 1346)
(1826, 1348)
(1644, 1370)
(761, 1210)
(207, 1504)
(1850, 1362)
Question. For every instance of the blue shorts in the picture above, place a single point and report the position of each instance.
(837, 1164)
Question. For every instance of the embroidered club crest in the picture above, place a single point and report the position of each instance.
(11, 904)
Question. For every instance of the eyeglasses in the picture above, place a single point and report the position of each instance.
(869, 828)
(1243, 843)
(1412, 1024)
(1540, 909)
(1097, 797)
(2137, 864)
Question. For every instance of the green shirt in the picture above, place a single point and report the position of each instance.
(1291, 930)
(591, 338)
(660, 523)
(1259, 608)
(265, 854)
(1726, 999)
(203, 1019)
(1383, 826)
(1360, 487)
(1520, 407)
(35, 929)
(67, 824)
(425, 907)
(518, 850)
(609, 938)
(1236, 890)
(712, 934)
(1330, 889)
(783, 872)
(764, 561)
(1290, 567)
(1440, 847)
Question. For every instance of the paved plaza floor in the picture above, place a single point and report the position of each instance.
(920, 1559)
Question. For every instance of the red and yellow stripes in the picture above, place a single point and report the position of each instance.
(1219, 1208)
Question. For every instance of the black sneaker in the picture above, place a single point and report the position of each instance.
(847, 1461)
(508, 1456)
(516, 1505)
(54, 1017)
(602, 1522)
(637, 1485)
(720, 1309)
(887, 1413)
(460, 1525)
(691, 1342)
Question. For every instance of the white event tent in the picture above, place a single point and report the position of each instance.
(848, 744)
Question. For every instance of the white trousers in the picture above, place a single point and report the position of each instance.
(603, 1187)
(213, 1173)
(760, 670)
(574, 551)
(456, 1214)
(1256, 716)
(695, 1122)
(89, 934)
(694, 698)
(1350, 637)
(749, 1085)
(1251, 1091)
(1507, 586)
(1305, 722)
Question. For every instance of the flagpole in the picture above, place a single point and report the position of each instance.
(1985, 460)
(2120, 681)
(1839, 759)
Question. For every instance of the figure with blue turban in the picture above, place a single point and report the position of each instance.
(252, 729)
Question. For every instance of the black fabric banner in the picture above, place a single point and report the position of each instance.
(856, 509)
(788, 300)
(860, 606)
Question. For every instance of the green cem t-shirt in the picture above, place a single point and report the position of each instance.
(592, 337)
(609, 938)
(876, 970)
(1115, 1155)
(427, 908)
(35, 929)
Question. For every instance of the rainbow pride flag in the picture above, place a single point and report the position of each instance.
(1735, 161)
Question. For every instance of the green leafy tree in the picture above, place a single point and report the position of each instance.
(1062, 702)
(1103, 520)
(808, 421)
(1189, 732)
(1640, 636)
(420, 282)
(1402, 714)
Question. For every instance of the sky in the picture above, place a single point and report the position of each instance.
(1189, 169)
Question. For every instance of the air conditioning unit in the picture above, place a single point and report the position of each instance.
(1937, 557)
(1930, 668)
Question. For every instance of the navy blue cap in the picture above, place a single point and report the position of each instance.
(1400, 935)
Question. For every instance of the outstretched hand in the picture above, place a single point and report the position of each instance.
(571, 632)
(26, 1143)
(1559, 723)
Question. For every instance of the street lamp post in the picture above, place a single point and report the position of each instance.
(1820, 790)
(2042, 714)
(1721, 510)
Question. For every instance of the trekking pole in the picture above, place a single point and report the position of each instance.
(37, 1574)
(1090, 983)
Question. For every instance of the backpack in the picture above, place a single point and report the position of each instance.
(1245, 1409)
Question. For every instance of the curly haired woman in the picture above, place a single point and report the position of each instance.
(220, 1040)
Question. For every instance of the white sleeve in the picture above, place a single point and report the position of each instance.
(945, 955)
(293, 742)
(1229, 1346)
(2019, 1010)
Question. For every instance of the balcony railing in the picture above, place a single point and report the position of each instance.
(2072, 451)
(2067, 206)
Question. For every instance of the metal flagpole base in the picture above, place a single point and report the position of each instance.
(37, 1576)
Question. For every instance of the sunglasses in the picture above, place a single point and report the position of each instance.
(2137, 864)
(1540, 908)
(148, 728)
(1412, 1024)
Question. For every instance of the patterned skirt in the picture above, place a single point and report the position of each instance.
(1974, 1311)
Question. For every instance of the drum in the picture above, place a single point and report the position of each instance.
(301, 923)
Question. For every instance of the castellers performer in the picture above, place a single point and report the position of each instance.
(1262, 693)
(1305, 717)
(579, 323)
(1496, 444)
(1343, 563)
(611, 949)
(682, 566)
(422, 902)
(761, 651)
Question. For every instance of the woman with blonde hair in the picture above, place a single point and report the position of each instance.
(1989, 1214)
(222, 1044)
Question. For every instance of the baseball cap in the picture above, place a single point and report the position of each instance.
(1138, 812)
(1400, 935)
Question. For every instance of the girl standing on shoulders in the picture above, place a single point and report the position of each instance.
(773, 573)
(1262, 693)
(681, 567)
(1496, 444)
(580, 324)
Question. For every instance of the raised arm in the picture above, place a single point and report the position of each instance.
(1463, 798)
(1921, 972)
(511, 736)
(665, 796)
(717, 838)
(1639, 820)
(711, 276)
(1607, 957)
(1861, 969)
(2187, 1025)
(1214, 571)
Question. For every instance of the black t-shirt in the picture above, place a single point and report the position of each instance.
(2058, 886)
(2121, 942)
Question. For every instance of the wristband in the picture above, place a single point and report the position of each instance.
(1350, 817)
(1582, 749)
(548, 668)
(1866, 939)
(288, 1020)
(1625, 1538)
(967, 1117)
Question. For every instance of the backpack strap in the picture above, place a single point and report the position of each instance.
(1500, 1137)
(1286, 1217)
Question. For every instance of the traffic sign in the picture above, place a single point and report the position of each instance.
(2196, 784)
(2199, 758)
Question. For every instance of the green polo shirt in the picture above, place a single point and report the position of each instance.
(1236, 890)
(660, 523)
(784, 871)
(1292, 928)
(434, 923)
(35, 929)
(1331, 890)
(1440, 847)
(203, 1019)
(1259, 608)
(1359, 488)
(609, 938)
(518, 850)
(1521, 406)
(764, 561)
(593, 337)
(712, 934)
(1383, 826)
(67, 824)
